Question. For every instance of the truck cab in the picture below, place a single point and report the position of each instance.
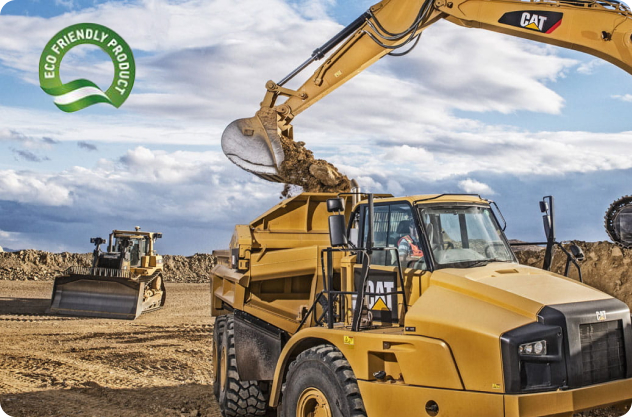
(411, 306)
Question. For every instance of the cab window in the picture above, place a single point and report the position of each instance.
(393, 226)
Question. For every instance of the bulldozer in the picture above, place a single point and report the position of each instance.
(374, 305)
(124, 282)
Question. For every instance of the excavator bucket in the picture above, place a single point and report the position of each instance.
(252, 147)
(90, 295)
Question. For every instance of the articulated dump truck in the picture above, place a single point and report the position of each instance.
(410, 306)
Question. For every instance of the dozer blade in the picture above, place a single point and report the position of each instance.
(252, 147)
(108, 297)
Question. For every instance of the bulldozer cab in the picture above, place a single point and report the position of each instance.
(135, 248)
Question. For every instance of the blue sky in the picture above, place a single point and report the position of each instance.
(467, 111)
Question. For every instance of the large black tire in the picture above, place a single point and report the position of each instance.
(322, 371)
(218, 336)
(238, 398)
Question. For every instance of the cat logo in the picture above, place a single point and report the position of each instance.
(544, 22)
(532, 21)
(602, 315)
(380, 305)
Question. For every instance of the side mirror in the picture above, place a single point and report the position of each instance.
(337, 230)
(546, 207)
(335, 205)
(157, 235)
(97, 240)
(577, 252)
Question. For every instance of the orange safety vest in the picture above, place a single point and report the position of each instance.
(416, 250)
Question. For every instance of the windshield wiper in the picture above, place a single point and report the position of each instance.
(484, 262)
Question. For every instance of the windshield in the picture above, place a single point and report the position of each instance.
(464, 236)
(137, 248)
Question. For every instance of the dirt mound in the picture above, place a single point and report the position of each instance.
(33, 265)
(196, 268)
(607, 267)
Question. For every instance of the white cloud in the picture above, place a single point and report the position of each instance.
(27, 187)
(624, 97)
(475, 187)
(588, 68)
(68, 4)
(179, 186)
(204, 64)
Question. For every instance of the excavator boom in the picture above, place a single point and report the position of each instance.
(259, 144)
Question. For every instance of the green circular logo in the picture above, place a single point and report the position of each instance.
(79, 94)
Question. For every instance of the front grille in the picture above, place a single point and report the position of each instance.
(603, 352)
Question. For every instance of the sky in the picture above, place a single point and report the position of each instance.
(468, 111)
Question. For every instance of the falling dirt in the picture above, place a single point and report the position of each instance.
(299, 167)
(312, 175)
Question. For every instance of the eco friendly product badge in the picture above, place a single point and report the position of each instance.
(79, 94)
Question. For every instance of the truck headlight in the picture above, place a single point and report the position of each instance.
(533, 358)
(533, 348)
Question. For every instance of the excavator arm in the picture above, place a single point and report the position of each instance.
(261, 144)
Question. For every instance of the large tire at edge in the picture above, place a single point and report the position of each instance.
(218, 336)
(238, 398)
(322, 375)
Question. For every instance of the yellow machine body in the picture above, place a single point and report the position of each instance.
(446, 348)
(122, 283)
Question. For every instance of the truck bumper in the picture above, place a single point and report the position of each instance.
(385, 399)
(565, 403)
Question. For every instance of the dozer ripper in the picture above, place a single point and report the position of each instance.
(123, 282)
(260, 144)
(372, 305)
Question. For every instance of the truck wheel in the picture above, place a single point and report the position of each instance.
(218, 335)
(237, 397)
(320, 382)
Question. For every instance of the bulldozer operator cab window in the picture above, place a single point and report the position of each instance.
(136, 248)
(464, 236)
(394, 227)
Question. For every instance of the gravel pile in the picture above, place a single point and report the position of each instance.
(34, 265)
(607, 267)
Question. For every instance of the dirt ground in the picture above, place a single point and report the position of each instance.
(157, 365)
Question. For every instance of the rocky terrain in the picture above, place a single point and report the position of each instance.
(33, 265)
(606, 267)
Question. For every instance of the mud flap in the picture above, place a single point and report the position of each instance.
(258, 346)
(89, 296)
